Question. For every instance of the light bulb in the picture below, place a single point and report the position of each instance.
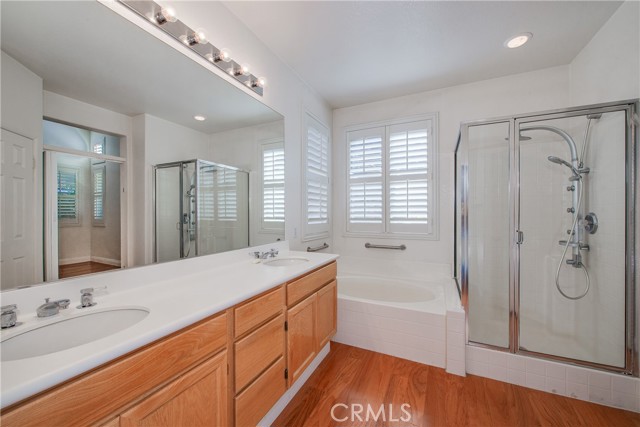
(200, 118)
(165, 15)
(197, 37)
(224, 55)
(518, 40)
(242, 70)
(259, 82)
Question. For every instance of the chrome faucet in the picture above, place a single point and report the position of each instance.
(264, 255)
(51, 308)
(86, 298)
(9, 316)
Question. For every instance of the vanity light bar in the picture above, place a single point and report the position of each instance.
(195, 40)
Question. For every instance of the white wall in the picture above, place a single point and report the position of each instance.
(21, 113)
(608, 68)
(528, 92)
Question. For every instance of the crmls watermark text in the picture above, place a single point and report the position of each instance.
(341, 412)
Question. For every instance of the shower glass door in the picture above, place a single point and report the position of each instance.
(572, 293)
(485, 215)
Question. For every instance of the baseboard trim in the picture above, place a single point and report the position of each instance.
(277, 409)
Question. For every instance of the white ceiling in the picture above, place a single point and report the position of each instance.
(85, 51)
(354, 52)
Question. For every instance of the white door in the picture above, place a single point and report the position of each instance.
(17, 227)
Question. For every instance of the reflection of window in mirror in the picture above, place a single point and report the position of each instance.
(98, 145)
(98, 178)
(68, 196)
(227, 195)
(272, 167)
(316, 185)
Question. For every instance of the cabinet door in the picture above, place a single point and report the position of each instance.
(326, 324)
(301, 337)
(198, 398)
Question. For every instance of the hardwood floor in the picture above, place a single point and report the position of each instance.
(82, 268)
(354, 376)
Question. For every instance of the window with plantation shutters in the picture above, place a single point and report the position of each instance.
(273, 187)
(226, 191)
(366, 181)
(68, 193)
(98, 190)
(316, 186)
(391, 179)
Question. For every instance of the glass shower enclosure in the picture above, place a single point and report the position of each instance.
(545, 234)
(201, 208)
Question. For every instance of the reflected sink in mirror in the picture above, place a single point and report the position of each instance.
(284, 262)
(70, 332)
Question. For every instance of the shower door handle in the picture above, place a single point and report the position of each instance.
(519, 237)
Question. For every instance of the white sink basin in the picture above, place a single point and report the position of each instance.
(285, 261)
(70, 332)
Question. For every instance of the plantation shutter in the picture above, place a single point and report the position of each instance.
(227, 194)
(206, 193)
(317, 179)
(409, 177)
(365, 188)
(68, 196)
(98, 186)
(273, 186)
(391, 179)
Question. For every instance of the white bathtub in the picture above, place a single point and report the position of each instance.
(401, 317)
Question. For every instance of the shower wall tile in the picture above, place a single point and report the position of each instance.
(556, 386)
(600, 395)
(535, 381)
(625, 400)
(624, 385)
(556, 371)
(517, 377)
(600, 380)
(577, 391)
(577, 375)
(535, 366)
(517, 363)
(579, 383)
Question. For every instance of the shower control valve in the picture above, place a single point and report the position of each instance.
(571, 210)
(571, 188)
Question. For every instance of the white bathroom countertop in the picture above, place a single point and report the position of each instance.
(177, 294)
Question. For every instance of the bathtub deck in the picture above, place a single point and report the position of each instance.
(352, 375)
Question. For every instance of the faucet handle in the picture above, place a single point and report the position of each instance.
(256, 254)
(7, 309)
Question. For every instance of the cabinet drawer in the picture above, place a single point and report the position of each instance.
(122, 381)
(255, 312)
(258, 350)
(306, 285)
(253, 403)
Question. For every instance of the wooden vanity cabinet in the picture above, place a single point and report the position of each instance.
(259, 356)
(197, 398)
(311, 317)
(100, 396)
(228, 369)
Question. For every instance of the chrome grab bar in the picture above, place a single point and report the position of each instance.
(317, 248)
(370, 246)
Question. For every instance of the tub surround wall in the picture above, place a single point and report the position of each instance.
(430, 332)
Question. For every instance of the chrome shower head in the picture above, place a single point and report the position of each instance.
(559, 161)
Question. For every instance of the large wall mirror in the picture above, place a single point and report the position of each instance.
(105, 164)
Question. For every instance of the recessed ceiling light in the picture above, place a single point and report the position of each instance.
(200, 118)
(518, 40)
